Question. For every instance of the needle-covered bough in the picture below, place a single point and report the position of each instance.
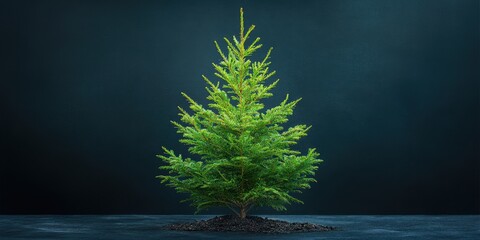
(244, 155)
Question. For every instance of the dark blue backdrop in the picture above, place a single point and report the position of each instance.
(391, 88)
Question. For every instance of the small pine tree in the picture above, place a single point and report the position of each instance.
(245, 155)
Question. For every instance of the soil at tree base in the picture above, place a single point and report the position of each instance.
(231, 223)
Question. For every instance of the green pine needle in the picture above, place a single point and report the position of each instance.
(244, 155)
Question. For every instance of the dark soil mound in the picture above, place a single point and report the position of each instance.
(230, 223)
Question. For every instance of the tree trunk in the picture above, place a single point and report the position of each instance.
(243, 212)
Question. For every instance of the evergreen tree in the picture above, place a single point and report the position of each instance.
(245, 154)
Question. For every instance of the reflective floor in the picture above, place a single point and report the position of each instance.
(149, 227)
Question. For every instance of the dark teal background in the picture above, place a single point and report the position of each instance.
(391, 88)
